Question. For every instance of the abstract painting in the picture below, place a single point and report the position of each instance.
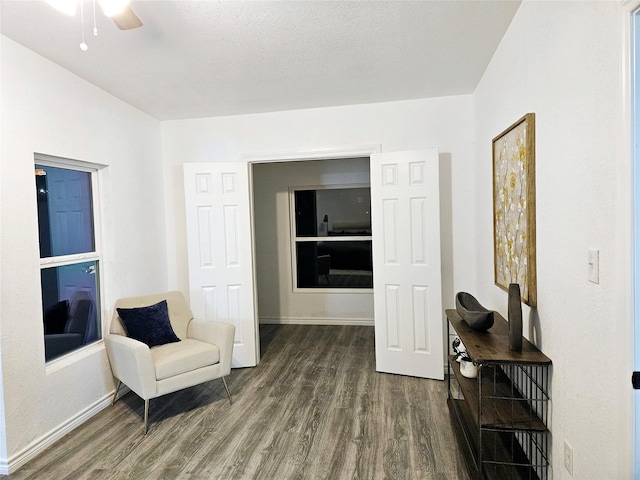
(514, 208)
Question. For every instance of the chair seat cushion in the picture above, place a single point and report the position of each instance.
(175, 358)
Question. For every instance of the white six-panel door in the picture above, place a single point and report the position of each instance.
(219, 242)
(405, 215)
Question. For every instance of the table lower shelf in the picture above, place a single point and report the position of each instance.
(502, 405)
(501, 456)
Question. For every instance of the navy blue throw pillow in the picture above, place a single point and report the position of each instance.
(55, 317)
(150, 324)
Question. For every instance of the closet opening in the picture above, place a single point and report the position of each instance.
(312, 231)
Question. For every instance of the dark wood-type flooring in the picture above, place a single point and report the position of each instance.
(314, 408)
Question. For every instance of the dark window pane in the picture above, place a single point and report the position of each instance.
(333, 211)
(334, 264)
(307, 268)
(305, 207)
(70, 312)
(65, 211)
(346, 211)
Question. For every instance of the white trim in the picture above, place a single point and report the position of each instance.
(62, 162)
(254, 261)
(73, 259)
(337, 238)
(333, 290)
(17, 460)
(364, 322)
(629, 227)
(320, 154)
(330, 186)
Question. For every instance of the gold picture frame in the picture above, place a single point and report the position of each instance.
(514, 208)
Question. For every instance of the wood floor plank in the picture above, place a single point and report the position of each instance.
(315, 408)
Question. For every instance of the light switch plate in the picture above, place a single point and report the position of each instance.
(568, 458)
(594, 265)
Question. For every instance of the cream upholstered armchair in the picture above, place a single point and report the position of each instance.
(154, 359)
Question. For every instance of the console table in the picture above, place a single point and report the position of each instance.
(501, 416)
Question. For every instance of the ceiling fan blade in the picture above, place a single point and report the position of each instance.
(126, 19)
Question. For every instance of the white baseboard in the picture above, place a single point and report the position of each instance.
(14, 462)
(316, 321)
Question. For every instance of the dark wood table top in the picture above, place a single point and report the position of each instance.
(492, 346)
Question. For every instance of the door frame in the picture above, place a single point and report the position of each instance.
(280, 156)
(286, 156)
(630, 167)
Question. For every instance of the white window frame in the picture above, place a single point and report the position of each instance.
(93, 169)
(294, 240)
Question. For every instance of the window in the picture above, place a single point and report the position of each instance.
(331, 229)
(69, 254)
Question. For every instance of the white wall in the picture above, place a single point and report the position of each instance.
(559, 60)
(444, 123)
(48, 110)
(562, 61)
(277, 303)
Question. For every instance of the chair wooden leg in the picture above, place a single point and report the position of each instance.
(146, 416)
(115, 395)
(227, 389)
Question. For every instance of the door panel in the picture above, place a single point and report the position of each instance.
(219, 242)
(406, 257)
(69, 194)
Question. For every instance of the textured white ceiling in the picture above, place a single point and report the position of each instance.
(209, 58)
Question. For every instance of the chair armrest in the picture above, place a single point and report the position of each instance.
(131, 363)
(218, 333)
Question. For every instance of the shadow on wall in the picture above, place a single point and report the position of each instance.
(535, 330)
(265, 225)
(446, 230)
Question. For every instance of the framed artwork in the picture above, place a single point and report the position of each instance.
(514, 208)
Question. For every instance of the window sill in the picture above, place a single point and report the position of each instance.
(71, 358)
(327, 291)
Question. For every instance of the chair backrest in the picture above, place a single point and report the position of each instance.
(324, 264)
(79, 310)
(179, 312)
